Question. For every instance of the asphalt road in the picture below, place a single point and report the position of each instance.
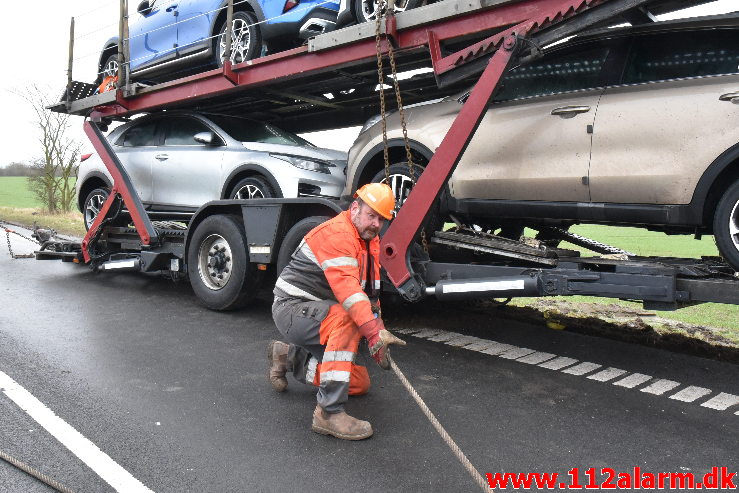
(177, 397)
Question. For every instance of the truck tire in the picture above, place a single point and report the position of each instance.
(218, 265)
(293, 238)
(726, 226)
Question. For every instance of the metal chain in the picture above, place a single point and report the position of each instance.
(10, 247)
(382, 12)
(381, 82)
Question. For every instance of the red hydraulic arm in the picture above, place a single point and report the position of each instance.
(121, 187)
(540, 14)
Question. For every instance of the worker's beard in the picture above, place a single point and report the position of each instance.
(368, 233)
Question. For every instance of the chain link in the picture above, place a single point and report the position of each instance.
(384, 12)
(10, 247)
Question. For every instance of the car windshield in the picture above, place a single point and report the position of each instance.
(250, 131)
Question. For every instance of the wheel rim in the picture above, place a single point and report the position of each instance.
(734, 225)
(111, 68)
(240, 42)
(369, 8)
(215, 262)
(92, 208)
(401, 185)
(249, 192)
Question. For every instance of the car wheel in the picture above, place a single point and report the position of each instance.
(726, 226)
(253, 187)
(401, 182)
(366, 10)
(109, 67)
(92, 205)
(218, 264)
(246, 40)
(293, 238)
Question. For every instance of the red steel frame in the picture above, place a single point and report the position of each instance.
(526, 16)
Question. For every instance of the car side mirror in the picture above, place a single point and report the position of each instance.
(207, 138)
(144, 8)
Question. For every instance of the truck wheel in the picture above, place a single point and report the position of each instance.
(726, 226)
(293, 238)
(218, 265)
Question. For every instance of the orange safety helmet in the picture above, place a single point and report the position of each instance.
(379, 196)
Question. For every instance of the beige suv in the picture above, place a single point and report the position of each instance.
(631, 126)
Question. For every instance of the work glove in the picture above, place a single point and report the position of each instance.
(378, 340)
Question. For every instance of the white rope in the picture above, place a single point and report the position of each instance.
(476, 476)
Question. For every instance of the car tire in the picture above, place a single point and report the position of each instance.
(92, 205)
(246, 43)
(293, 238)
(253, 187)
(362, 8)
(109, 67)
(218, 248)
(726, 226)
(401, 182)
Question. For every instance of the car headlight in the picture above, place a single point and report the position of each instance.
(305, 163)
(369, 123)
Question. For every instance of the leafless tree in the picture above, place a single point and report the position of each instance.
(59, 160)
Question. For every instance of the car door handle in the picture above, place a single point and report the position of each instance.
(171, 8)
(730, 96)
(162, 157)
(569, 111)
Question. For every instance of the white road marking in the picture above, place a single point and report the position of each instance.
(558, 363)
(516, 352)
(582, 368)
(463, 341)
(721, 402)
(536, 358)
(480, 346)
(660, 387)
(496, 349)
(607, 374)
(105, 467)
(633, 380)
(572, 366)
(426, 333)
(690, 394)
(443, 337)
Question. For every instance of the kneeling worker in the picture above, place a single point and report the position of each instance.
(326, 300)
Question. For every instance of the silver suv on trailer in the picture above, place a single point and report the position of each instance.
(179, 160)
(626, 126)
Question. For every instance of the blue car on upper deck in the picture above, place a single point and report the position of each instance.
(169, 38)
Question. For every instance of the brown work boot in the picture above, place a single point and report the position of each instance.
(340, 425)
(277, 356)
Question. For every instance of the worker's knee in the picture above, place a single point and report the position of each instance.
(359, 381)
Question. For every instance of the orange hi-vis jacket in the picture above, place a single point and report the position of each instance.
(331, 263)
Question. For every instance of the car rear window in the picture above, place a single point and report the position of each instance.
(680, 55)
(578, 68)
(250, 131)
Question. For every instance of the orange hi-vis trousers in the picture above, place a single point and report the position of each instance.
(324, 341)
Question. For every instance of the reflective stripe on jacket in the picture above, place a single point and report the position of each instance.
(331, 264)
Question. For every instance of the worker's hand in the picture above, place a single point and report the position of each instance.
(378, 340)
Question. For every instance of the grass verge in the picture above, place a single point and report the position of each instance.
(69, 223)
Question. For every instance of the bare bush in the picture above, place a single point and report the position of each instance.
(59, 159)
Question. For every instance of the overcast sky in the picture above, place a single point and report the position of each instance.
(34, 39)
